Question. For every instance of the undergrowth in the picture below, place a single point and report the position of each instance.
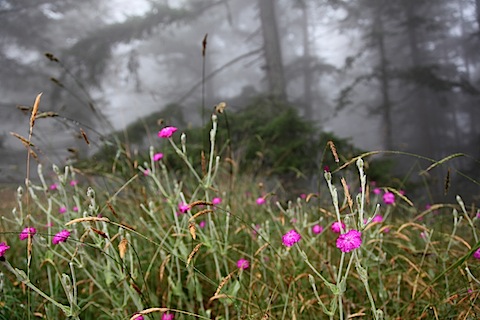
(211, 243)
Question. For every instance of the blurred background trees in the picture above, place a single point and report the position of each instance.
(393, 75)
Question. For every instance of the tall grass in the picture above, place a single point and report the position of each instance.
(162, 244)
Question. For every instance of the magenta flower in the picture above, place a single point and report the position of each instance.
(73, 183)
(62, 210)
(303, 196)
(317, 229)
(167, 132)
(476, 254)
(62, 236)
(376, 191)
(168, 316)
(146, 172)
(349, 241)
(53, 187)
(243, 264)
(260, 201)
(290, 238)
(326, 168)
(216, 200)
(202, 224)
(157, 156)
(75, 209)
(388, 198)
(140, 317)
(3, 248)
(337, 227)
(377, 218)
(183, 207)
(27, 231)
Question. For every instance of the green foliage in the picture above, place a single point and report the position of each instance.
(267, 138)
(271, 137)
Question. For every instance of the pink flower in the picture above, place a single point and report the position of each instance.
(260, 201)
(73, 183)
(157, 156)
(476, 254)
(377, 218)
(337, 227)
(146, 172)
(53, 187)
(290, 238)
(75, 209)
(62, 210)
(27, 231)
(243, 264)
(3, 248)
(183, 207)
(349, 241)
(303, 196)
(202, 224)
(139, 317)
(216, 200)
(167, 132)
(62, 236)
(317, 229)
(168, 316)
(388, 198)
(376, 191)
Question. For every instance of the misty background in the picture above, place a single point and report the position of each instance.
(388, 75)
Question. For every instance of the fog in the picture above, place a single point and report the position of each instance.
(399, 75)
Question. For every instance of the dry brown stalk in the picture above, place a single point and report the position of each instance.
(200, 203)
(122, 247)
(200, 213)
(334, 150)
(194, 251)
(223, 283)
(84, 135)
(87, 219)
(347, 193)
(192, 230)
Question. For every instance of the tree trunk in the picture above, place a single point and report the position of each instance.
(423, 133)
(307, 70)
(272, 50)
(385, 84)
(477, 13)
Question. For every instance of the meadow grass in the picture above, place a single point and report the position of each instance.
(210, 243)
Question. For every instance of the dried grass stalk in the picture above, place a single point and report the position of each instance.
(223, 283)
(192, 229)
(200, 213)
(87, 219)
(122, 247)
(192, 254)
(333, 149)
